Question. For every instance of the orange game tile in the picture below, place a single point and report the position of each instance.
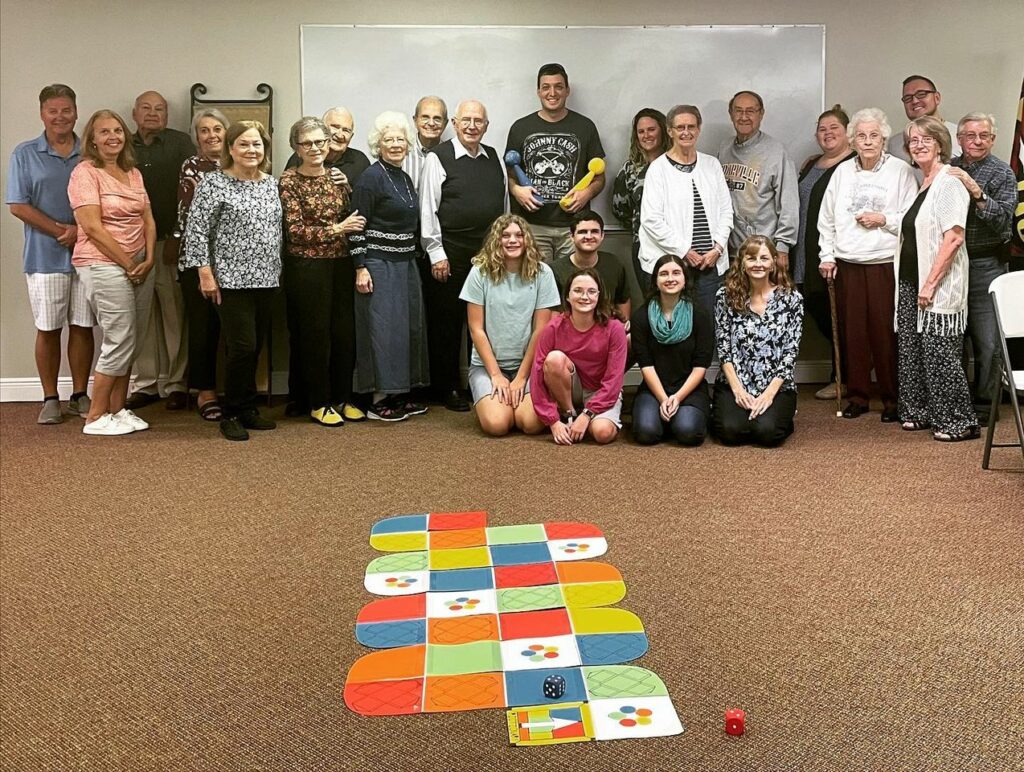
(464, 537)
(464, 692)
(571, 530)
(482, 627)
(454, 521)
(389, 664)
(528, 575)
(394, 609)
(385, 698)
(534, 624)
(581, 572)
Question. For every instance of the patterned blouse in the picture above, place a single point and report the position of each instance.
(626, 194)
(192, 172)
(234, 226)
(311, 206)
(760, 347)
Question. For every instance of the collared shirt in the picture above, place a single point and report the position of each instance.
(39, 176)
(160, 163)
(352, 163)
(415, 160)
(989, 226)
(432, 178)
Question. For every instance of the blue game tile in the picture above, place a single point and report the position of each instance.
(391, 635)
(526, 687)
(400, 524)
(519, 554)
(611, 648)
(461, 580)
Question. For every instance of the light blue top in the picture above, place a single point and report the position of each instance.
(39, 176)
(508, 311)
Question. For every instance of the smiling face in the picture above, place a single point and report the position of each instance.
(59, 116)
(831, 134)
(513, 243)
(976, 139)
(340, 124)
(588, 237)
(746, 115)
(210, 137)
(758, 265)
(583, 294)
(648, 135)
(430, 119)
(311, 147)
(924, 150)
(868, 141)
(108, 136)
(470, 124)
(247, 150)
(553, 92)
(393, 146)
(670, 279)
(684, 132)
(920, 98)
(150, 113)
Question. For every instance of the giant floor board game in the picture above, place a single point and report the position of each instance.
(479, 616)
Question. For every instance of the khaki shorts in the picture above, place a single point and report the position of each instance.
(113, 300)
(581, 395)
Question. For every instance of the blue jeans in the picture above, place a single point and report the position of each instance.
(689, 425)
(981, 327)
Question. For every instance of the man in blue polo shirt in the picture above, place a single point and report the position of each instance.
(37, 193)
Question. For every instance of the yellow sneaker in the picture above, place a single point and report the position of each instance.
(351, 413)
(326, 416)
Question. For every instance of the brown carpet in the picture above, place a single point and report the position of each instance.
(172, 601)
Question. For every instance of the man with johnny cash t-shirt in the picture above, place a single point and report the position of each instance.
(556, 145)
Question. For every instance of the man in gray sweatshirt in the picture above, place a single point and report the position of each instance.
(762, 179)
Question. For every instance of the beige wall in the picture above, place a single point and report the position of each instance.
(110, 51)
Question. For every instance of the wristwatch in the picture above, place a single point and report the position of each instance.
(588, 413)
(981, 199)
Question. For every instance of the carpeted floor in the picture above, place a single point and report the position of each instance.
(172, 601)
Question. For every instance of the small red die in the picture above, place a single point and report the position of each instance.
(735, 721)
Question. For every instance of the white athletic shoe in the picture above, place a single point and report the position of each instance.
(129, 419)
(106, 426)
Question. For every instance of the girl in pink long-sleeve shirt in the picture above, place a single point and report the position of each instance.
(579, 365)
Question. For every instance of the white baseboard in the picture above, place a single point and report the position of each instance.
(29, 390)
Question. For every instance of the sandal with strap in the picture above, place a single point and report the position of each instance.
(211, 411)
(915, 426)
(972, 433)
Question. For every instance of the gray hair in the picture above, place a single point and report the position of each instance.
(431, 98)
(869, 115)
(465, 102)
(932, 127)
(304, 125)
(208, 112)
(684, 110)
(387, 121)
(344, 110)
(987, 117)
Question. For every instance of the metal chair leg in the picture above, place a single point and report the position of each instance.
(993, 416)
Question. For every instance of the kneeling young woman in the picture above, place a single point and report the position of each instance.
(579, 364)
(759, 318)
(673, 341)
(509, 294)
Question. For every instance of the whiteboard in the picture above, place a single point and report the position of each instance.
(613, 72)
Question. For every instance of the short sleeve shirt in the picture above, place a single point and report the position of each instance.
(609, 268)
(39, 176)
(509, 306)
(121, 208)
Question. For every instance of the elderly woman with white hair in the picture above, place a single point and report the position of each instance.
(857, 228)
(208, 128)
(391, 340)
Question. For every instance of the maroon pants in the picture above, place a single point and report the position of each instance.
(865, 295)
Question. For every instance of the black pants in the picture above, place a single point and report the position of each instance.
(446, 320)
(244, 317)
(732, 425)
(203, 333)
(322, 327)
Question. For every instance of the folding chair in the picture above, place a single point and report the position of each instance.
(1007, 293)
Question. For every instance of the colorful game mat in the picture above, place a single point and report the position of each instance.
(479, 617)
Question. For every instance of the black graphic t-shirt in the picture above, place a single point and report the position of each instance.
(555, 157)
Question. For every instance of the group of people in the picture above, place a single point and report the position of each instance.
(174, 244)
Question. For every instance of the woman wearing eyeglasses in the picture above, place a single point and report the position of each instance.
(579, 365)
(318, 276)
(931, 299)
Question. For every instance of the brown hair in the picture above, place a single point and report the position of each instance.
(737, 283)
(491, 257)
(603, 311)
(932, 127)
(57, 91)
(237, 129)
(125, 159)
(837, 112)
(636, 155)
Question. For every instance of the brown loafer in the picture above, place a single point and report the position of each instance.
(177, 400)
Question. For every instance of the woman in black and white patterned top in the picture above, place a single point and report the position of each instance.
(759, 319)
(233, 237)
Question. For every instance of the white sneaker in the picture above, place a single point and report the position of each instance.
(106, 426)
(129, 419)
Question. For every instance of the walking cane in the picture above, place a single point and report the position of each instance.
(835, 345)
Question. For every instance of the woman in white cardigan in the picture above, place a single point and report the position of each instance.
(931, 298)
(686, 208)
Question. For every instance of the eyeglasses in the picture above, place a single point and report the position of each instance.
(474, 122)
(972, 137)
(746, 112)
(920, 141)
(920, 94)
(310, 144)
(590, 292)
(873, 136)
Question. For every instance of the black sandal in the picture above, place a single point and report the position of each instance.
(972, 433)
(211, 411)
(915, 426)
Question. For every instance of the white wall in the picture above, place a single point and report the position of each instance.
(111, 50)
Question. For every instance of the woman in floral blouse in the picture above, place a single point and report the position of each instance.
(233, 237)
(759, 318)
(319, 277)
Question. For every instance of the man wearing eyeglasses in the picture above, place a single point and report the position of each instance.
(430, 118)
(992, 186)
(462, 190)
(761, 178)
(920, 97)
(343, 162)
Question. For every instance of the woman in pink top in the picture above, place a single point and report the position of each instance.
(113, 254)
(579, 364)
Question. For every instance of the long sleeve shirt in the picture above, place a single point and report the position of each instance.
(386, 197)
(599, 356)
(760, 347)
(192, 172)
(989, 226)
(311, 207)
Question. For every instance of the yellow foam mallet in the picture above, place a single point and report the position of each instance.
(595, 167)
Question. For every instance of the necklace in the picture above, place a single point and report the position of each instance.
(411, 203)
